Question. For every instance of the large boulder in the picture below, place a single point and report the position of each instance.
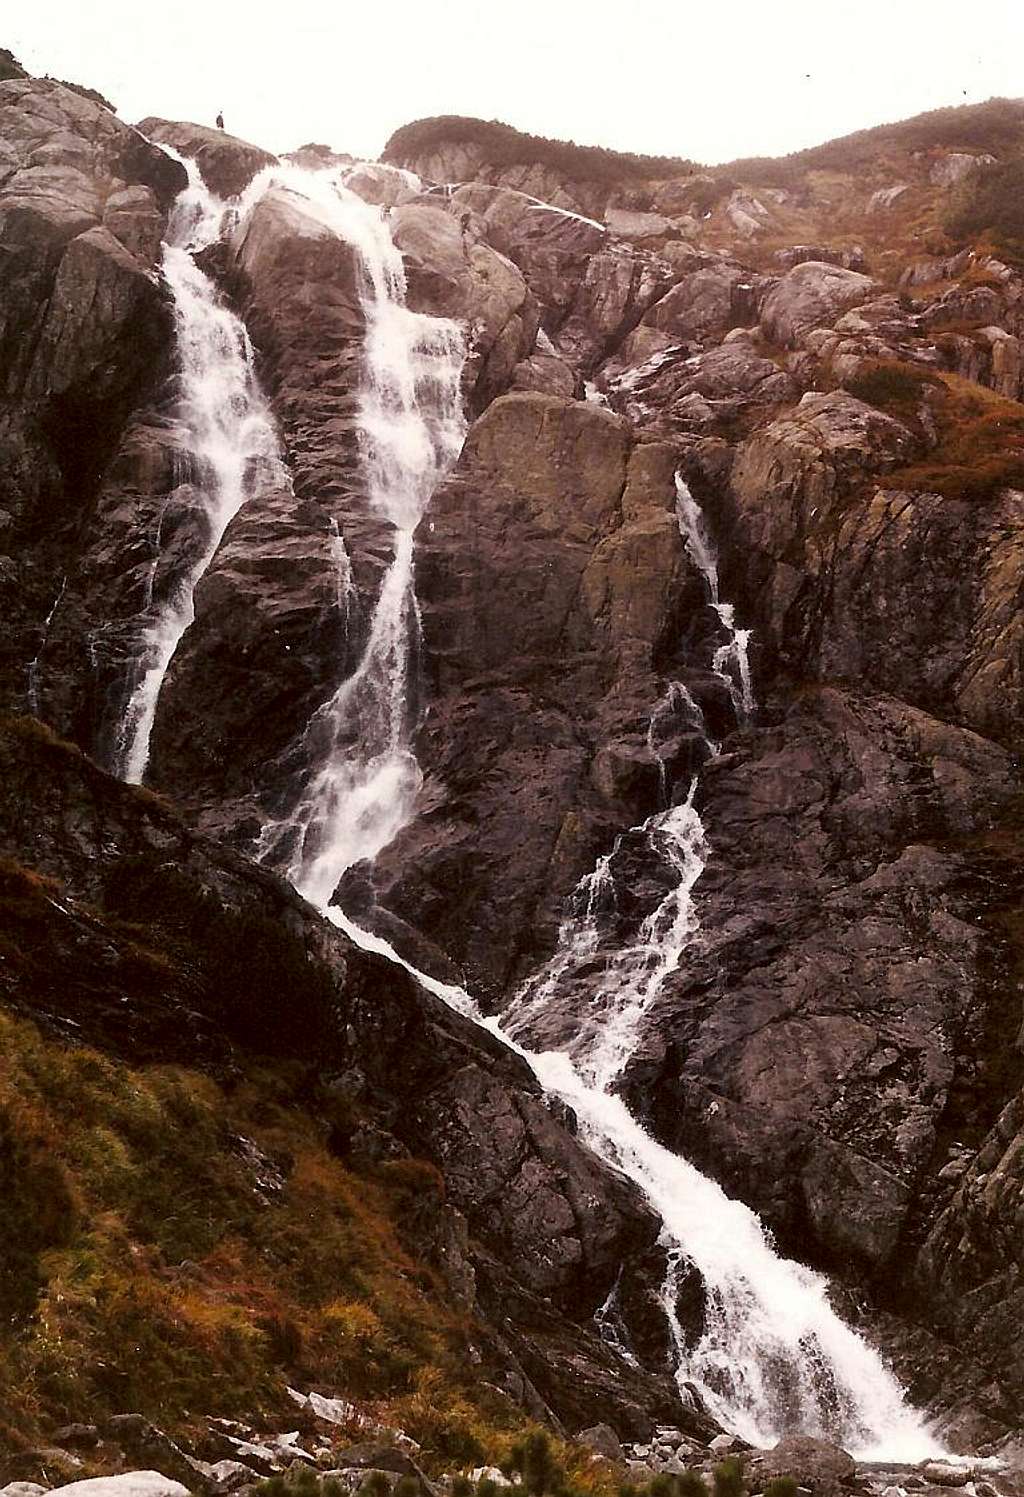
(824, 1469)
(126, 1484)
(705, 304)
(812, 295)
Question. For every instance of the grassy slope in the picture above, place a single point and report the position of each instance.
(180, 1245)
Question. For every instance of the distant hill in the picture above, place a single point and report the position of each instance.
(996, 126)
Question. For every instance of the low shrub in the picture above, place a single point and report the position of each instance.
(503, 145)
(991, 204)
(893, 386)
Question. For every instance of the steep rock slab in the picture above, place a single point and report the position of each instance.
(716, 390)
(849, 578)
(812, 295)
(968, 1269)
(227, 164)
(85, 334)
(841, 1005)
(84, 854)
(552, 580)
(451, 273)
(617, 289)
(551, 248)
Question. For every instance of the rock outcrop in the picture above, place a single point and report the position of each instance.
(227, 164)
(85, 332)
(551, 574)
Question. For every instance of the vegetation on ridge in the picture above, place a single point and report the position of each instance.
(10, 67)
(503, 145)
(995, 126)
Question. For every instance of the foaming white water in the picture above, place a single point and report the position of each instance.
(774, 1358)
(736, 650)
(618, 996)
(363, 778)
(32, 688)
(226, 431)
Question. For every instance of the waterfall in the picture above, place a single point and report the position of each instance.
(735, 651)
(229, 442)
(774, 1357)
(363, 777)
(34, 668)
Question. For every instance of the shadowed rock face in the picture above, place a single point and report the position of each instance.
(551, 571)
(810, 1049)
(85, 339)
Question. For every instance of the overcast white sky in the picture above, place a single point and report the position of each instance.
(703, 78)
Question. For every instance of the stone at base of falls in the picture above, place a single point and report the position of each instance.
(602, 1440)
(125, 1484)
(823, 1468)
(941, 1475)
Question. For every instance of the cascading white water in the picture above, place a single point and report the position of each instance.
(774, 1357)
(32, 683)
(364, 777)
(736, 650)
(226, 431)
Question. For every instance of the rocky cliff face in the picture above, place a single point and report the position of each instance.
(840, 391)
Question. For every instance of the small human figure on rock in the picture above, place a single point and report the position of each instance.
(220, 121)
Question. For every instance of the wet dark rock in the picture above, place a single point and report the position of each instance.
(543, 644)
(806, 1052)
(85, 337)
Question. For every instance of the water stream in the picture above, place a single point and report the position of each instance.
(228, 441)
(774, 1357)
(363, 777)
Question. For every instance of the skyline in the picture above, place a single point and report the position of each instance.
(672, 80)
